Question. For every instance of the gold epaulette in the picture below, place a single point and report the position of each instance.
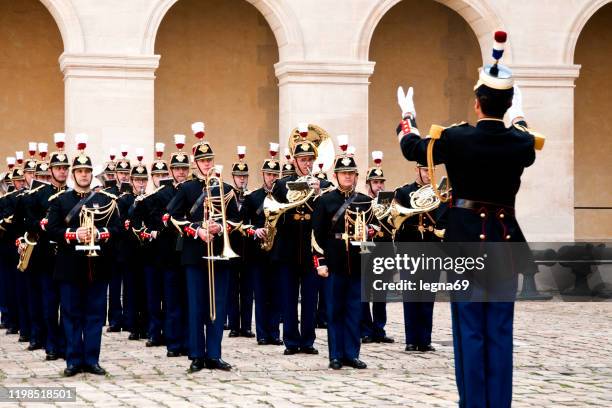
(440, 233)
(11, 193)
(111, 195)
(143, 196)
(54, 196)
(539, 138)
(36, 189)
(328, 189)
(435, 132)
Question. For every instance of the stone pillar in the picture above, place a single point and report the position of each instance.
(110, 97)
(333, 95)
(545, 203)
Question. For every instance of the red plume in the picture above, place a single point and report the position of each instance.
(501, 36)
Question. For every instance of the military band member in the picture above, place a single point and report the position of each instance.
(293, 254)
(23, 292)
(263, 271)
(337, 220)
(424, 227)
(240, 301)
(5, 187)
(321, 306)
(44, 253)
(288, 168)
(147, 298)
(10, 258)
(373, 320)
(143, 218)
(109, 175)
(320, 173)
(82, 217)
(38, 262)
(167, 243)
(187, 207)
(482, 210)
(115, 173)
(128, 251)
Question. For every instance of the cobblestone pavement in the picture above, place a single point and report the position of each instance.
(563, 357)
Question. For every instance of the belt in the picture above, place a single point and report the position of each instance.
(483, 206)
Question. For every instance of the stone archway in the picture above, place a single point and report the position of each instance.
(477, 13)
(592, 141)
(68, 23)
(582, 18)
(217, 65)
(441, 65)
(281, 20)
(32, 85)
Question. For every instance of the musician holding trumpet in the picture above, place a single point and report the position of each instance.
(83, 223)
(203, 207)
(341, 223)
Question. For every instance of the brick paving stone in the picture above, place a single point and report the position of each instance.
(562, 358)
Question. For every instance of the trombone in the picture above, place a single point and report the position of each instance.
(211, 213)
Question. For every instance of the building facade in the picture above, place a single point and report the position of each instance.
(139, 71)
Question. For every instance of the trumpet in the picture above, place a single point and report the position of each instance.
(211, 213)
(359, 237)
(88, 221)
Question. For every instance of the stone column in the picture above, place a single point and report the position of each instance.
(333, 95)
(110, 97)
(545, 203)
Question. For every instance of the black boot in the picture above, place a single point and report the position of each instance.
(196, 365)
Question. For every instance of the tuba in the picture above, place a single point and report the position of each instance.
(324, 148)
(299, 191)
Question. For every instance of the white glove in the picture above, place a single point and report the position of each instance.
(516, 110)
(405, 102)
